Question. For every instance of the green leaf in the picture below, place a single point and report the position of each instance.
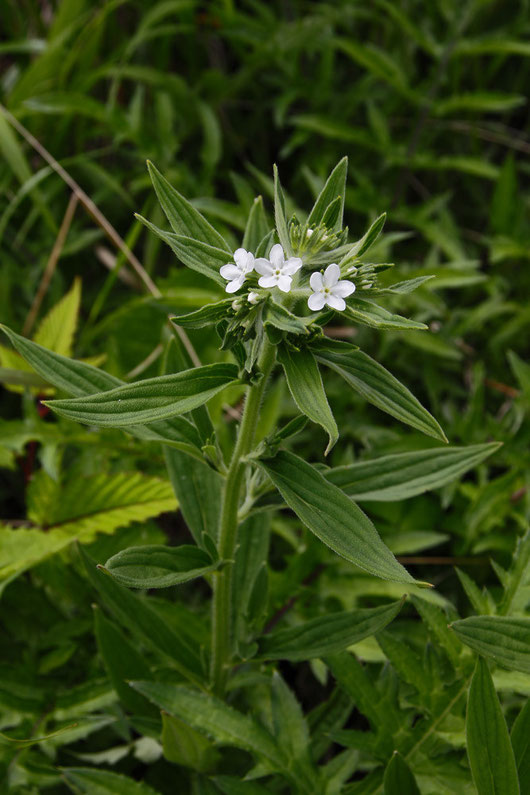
(185, 746)
(520, 738)
(326, 634)
(404, 475)
(437, 620)
(184, 218)
(57, 330)
(236, 786)
(123, 662)
(335, 187)
(280, 317)
(257, 226)
(332, 516)
(291, 733)
(103, 782)
(376, 385)
(201, 257)
(506, 640)
(206, 315)
(159, 566)
(306, 387)
(135, 614)
(366, 241)
(369, 314)
(206, 713)
(488, 744)
(479, 102)
(150, 400)
(80, 379)
(280, 217)
(199, 489)
(398, 778)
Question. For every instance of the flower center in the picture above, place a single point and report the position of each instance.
(327, 290)
(277, 272)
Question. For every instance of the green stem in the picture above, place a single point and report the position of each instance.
(222, 582)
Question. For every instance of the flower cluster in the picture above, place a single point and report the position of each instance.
(327, 288)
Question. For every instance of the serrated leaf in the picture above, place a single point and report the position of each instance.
(506, 640)
(326, 634)
(334, 188)
(369, 314)
(184, 218)
(376, 385)
(200, 257)
(185, 746)
(488, 744)
(306, 387)
(332, 516)
(404, 475)
(150, 400)
(206, 713)
(291, 733)
(159, 566)
(103, 782)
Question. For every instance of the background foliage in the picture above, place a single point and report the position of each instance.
(429, 103)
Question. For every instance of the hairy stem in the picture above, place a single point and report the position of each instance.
(222, 582)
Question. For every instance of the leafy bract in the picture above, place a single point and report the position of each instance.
(150, 400)
(257, 226)
(376, 385)
(184, 218)
(206, 315)
(403, 475)
(488, 744)
(504, 639)
(332, 516)
(326, 634)
(306, 387)
(366, 241)
(334, 188)
(369, 314)
(158, 566)
(280, 216)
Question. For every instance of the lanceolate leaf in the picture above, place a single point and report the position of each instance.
(520, 737)
(369, 314)
(280, 317)
(181, 214)
(204, 712)
(206, 315)
(503, 639)
(257, 226)
(404, 475)
(103, 782)
(198, 488)
(398, 778)
(488, 744)
(280, 216)
(150, 400)
(135, 613)
(200, 257)
(326, 634)
(376, 385)
(306, 387)
(79, 379)
(332, 516)
(367, 240)
(334, 188)
(159, 566)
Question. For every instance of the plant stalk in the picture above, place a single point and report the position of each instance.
(222, 581)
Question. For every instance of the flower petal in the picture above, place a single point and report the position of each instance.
(276, 255)
(230, 271)
(240, 256)
(231, 287)
(343, 288)
(336, 303)
(331, 275)
(316, 281)
(263, 266)
(316, 301)
(249, 262)
(267, 281)
(292, 265)
(284, 283)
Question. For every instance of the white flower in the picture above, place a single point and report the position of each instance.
(327, 289)
(309, 233)
(275, 271)
(253, 298)
(236, 272)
